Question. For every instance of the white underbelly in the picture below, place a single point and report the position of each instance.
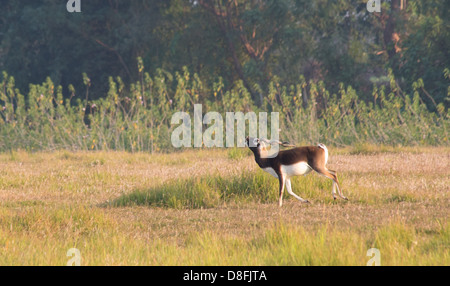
(298, 169)
(271, 171)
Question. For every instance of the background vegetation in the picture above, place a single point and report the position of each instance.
(112, 76)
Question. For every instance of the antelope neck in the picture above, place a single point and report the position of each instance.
(262, 162)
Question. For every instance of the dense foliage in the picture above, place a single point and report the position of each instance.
(252, 41)
(138, 118)
(336, 73)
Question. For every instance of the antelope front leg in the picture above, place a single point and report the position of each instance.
(289, 189)
(282, 181)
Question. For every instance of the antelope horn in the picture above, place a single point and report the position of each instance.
(284, 144)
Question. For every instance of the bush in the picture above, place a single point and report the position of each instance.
(137, 119)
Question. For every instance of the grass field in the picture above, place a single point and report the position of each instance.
(215, 207)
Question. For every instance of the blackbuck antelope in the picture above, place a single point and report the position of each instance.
(293, 162)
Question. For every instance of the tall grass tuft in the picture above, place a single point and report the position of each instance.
(205, 192)
(215, 190)
(138, 118)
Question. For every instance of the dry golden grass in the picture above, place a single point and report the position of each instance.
(55, 200)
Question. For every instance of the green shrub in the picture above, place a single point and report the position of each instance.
(205, 192)
(137, 118)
